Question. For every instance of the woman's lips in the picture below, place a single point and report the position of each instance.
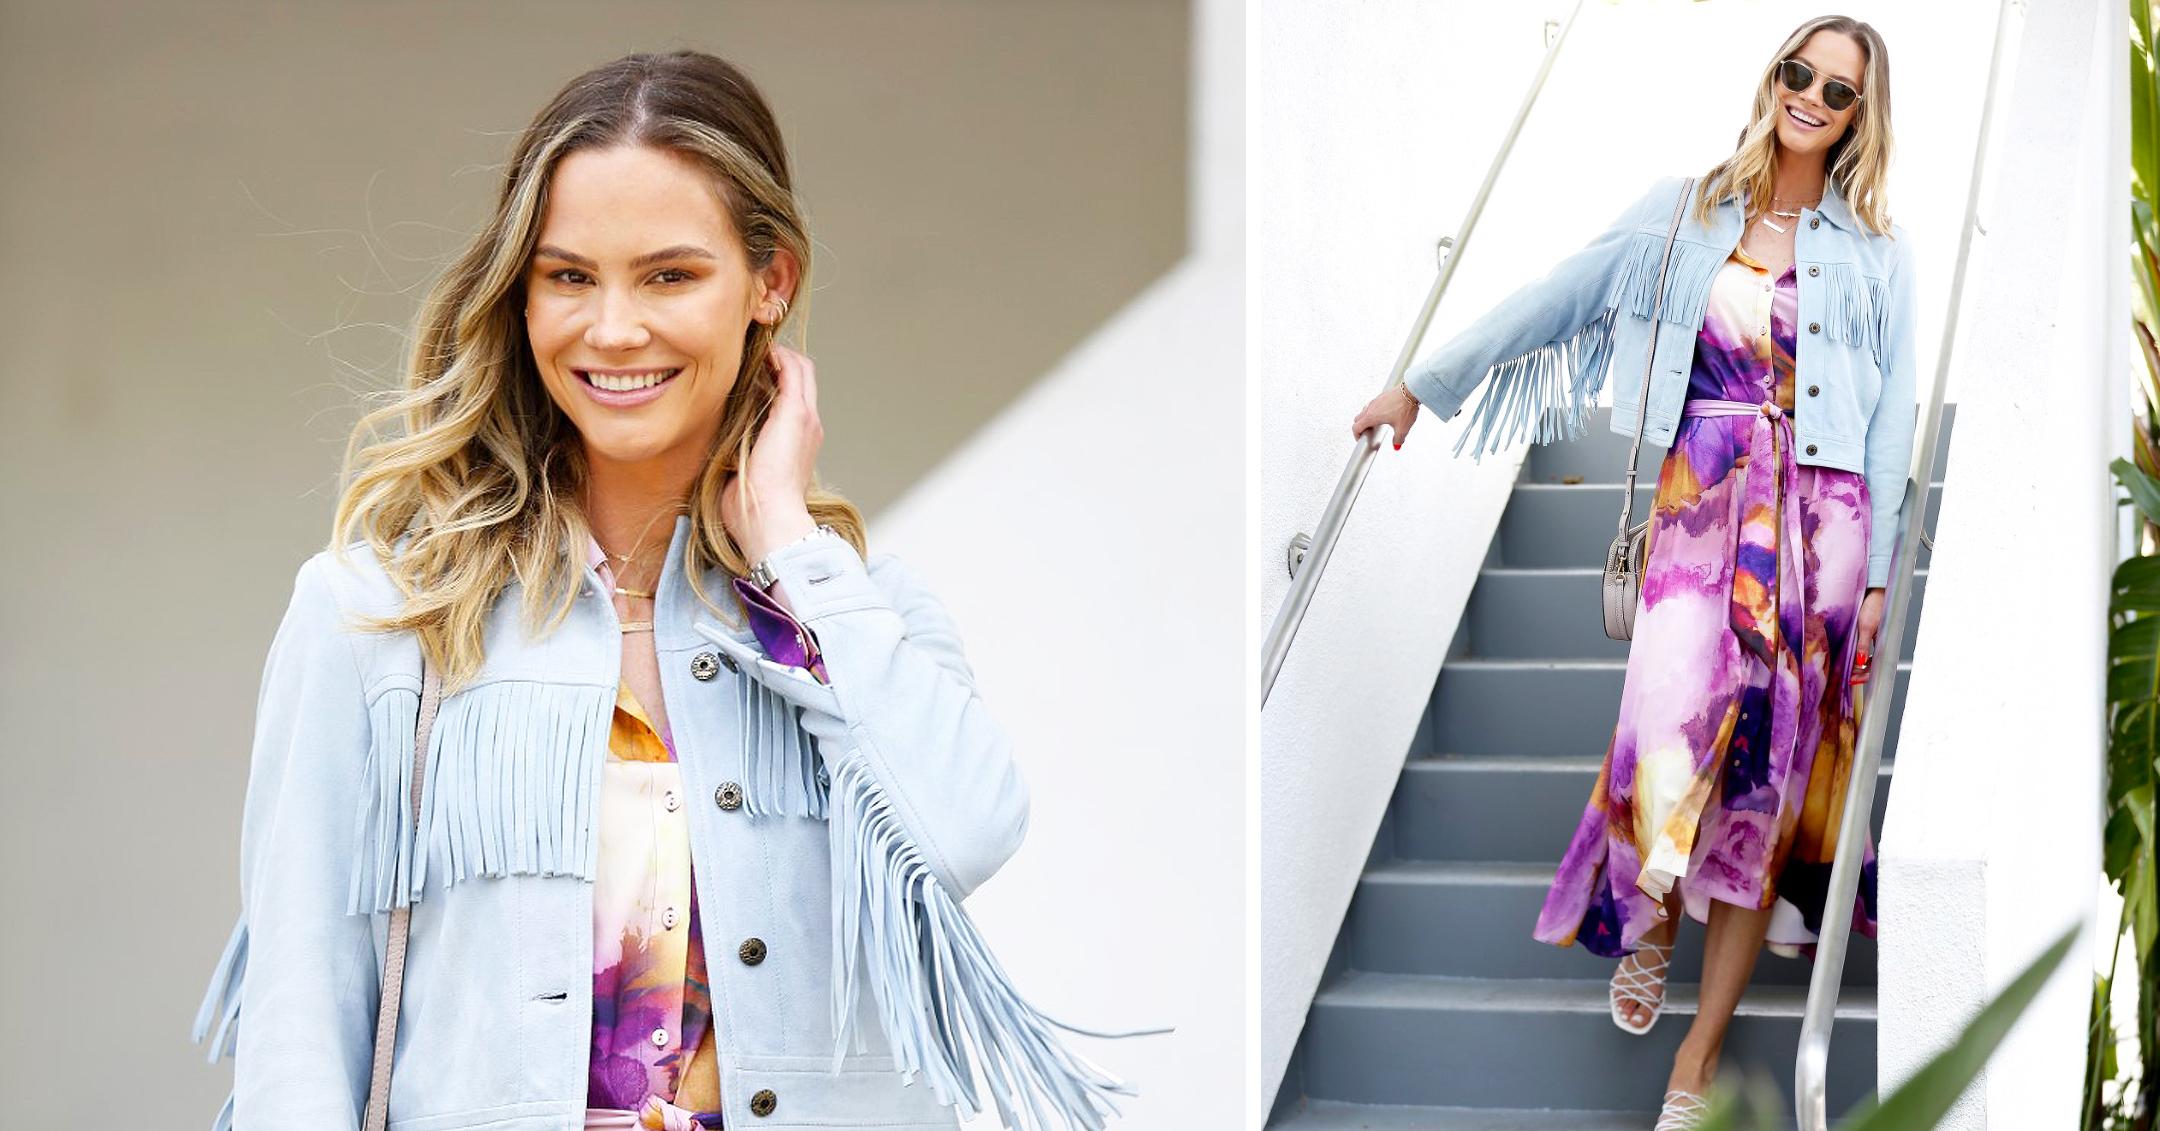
(625, 398)
(1794, 117)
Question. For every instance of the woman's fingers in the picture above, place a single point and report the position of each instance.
(1388, 409)
(796, 376)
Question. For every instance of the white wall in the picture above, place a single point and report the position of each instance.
(1088, 542)
(1372, 127)
(1992, 843)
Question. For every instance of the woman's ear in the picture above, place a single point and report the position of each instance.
(779, 277)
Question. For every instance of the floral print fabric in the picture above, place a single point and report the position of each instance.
(652, 1004)
(1727, 768)
(653, 1044)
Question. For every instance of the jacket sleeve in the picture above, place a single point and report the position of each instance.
(298, 966)
(899, 702)
(1887, 460)
(924, 804)
(1545, 345)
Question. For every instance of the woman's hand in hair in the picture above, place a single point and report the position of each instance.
(1395, 408)
(782, 462)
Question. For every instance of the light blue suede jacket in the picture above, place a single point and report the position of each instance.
(840, 822)
(1542, 353)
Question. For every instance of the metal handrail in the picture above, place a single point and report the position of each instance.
(1811, 1070)
(1306, 577)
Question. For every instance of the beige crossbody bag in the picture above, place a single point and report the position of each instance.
(1624, 561)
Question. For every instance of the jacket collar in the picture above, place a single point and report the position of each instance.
(1833, 208)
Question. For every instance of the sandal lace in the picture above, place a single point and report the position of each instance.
(1682, 1111)
(1634, 983)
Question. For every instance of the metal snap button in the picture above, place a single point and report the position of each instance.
(1813, 389)
(752, 951)
(1814, 327)
(1815, 223)
(1814, 270)
(1811, 449)
(763, 1103)
(728, 796)
(704, 665)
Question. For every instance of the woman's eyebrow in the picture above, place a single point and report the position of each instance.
(679, 251)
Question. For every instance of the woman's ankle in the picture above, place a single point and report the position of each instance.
(1692, 1070)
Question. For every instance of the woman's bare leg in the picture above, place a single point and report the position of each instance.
(1731, 943)
(1662, 935)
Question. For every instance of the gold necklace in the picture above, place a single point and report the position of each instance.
(1793, 215)
(630, 626)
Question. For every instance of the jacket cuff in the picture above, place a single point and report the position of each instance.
(823, 575)
(1878, 573)
(1425, 384)
(784, 638)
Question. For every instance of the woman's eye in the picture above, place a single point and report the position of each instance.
(563, 275)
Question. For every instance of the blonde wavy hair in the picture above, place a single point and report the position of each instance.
(1858, 162)
(469, 477)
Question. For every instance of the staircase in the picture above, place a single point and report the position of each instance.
(1437, 1010)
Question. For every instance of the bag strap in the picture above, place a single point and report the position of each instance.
(1657, 308)
(393, 977)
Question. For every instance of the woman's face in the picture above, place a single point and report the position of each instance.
(1832, 55)
(640, 296)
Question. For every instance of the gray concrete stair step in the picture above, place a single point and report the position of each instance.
(1473, 919)
(1328, 1115)
(1548, 707)
(1600, 455)
(1553, 613)
(1497, 1043)
(1504, 807)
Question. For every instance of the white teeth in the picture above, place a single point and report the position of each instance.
(628, 382)
(1803, 117)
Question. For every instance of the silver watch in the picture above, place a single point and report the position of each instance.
(761, 574)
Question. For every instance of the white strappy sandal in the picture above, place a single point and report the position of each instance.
(1635, 983)
(1682, 1111)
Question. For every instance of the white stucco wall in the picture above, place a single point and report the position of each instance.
(1992, 844)
(1089, 543)
(1371, 128)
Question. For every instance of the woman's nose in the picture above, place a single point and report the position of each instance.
(618, 325)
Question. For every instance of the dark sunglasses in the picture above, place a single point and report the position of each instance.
(1837, 94)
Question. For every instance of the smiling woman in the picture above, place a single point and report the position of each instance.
(1760, 321)
(603, 357)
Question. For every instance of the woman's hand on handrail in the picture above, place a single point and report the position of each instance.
(1395, 407)
(1864, 627)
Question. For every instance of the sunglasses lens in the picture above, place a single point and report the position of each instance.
(1796, 75)
(1837, 95)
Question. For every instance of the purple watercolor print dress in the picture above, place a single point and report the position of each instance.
(1727, 768)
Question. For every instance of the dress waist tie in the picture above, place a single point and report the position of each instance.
(1764, 581)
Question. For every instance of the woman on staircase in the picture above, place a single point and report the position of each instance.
(1782, 385)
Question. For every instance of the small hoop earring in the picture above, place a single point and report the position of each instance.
(783, 307)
